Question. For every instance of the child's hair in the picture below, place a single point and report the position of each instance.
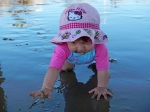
(84, 38)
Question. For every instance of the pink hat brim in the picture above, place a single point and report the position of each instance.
(70, 35)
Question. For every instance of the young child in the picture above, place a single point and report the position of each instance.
(79, 41)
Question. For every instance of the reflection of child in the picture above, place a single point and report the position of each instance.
(76, 94)
(79, 41)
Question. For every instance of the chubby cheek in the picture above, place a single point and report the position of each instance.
(71, 47)
(89, 47)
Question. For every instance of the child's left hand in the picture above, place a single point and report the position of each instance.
(98, 91)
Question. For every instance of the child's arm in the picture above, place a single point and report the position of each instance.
(102, 85)
(48, 84)
(103, 78)
(50, 78)
(57, 61)
(102, 66)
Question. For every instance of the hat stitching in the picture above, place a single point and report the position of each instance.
(77, 32)
(76, 9)
(88, 31)
(65, 35)
(96, 35)
(105, 37)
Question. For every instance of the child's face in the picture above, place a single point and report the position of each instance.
(80, 46)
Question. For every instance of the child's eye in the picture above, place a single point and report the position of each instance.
(73, 42)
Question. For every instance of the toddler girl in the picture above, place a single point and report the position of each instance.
(79, 41)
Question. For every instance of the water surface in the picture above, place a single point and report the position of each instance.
(25, 52)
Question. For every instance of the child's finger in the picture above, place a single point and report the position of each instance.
(38, 93)
(94, 95)
(32, 94)
(105, 96)
(41, 97)
(98, 96)
(48, 96)
(110, 94)
(91, 91)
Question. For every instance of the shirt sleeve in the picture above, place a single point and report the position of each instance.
(102, 57)
(61, 53)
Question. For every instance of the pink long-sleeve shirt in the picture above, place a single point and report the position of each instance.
(62, 52)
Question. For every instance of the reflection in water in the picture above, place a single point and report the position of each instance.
(77, 98)
(30, 2)
(6, 3)
(21, 22)
(18, 7)
(3, 105)
(114, 3)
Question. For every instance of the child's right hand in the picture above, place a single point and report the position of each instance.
(100, 91)
(42, 93)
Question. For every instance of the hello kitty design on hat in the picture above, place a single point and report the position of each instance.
(77, 20)
(74, 15)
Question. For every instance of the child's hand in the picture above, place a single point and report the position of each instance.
(98, 91)
(43, 93)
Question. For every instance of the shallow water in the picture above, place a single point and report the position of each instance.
(25, 52)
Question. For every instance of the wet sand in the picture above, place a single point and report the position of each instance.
(25, 52)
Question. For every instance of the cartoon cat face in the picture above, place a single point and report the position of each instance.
(74, 15)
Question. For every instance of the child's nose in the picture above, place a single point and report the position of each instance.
(81, 49)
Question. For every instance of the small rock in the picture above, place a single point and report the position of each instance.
(58, 105)
(5, 38)
(19, 109)
(38, 33)
(11, 39)
(113, 60)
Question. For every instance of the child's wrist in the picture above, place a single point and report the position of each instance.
(47, 88)
(102, 87)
